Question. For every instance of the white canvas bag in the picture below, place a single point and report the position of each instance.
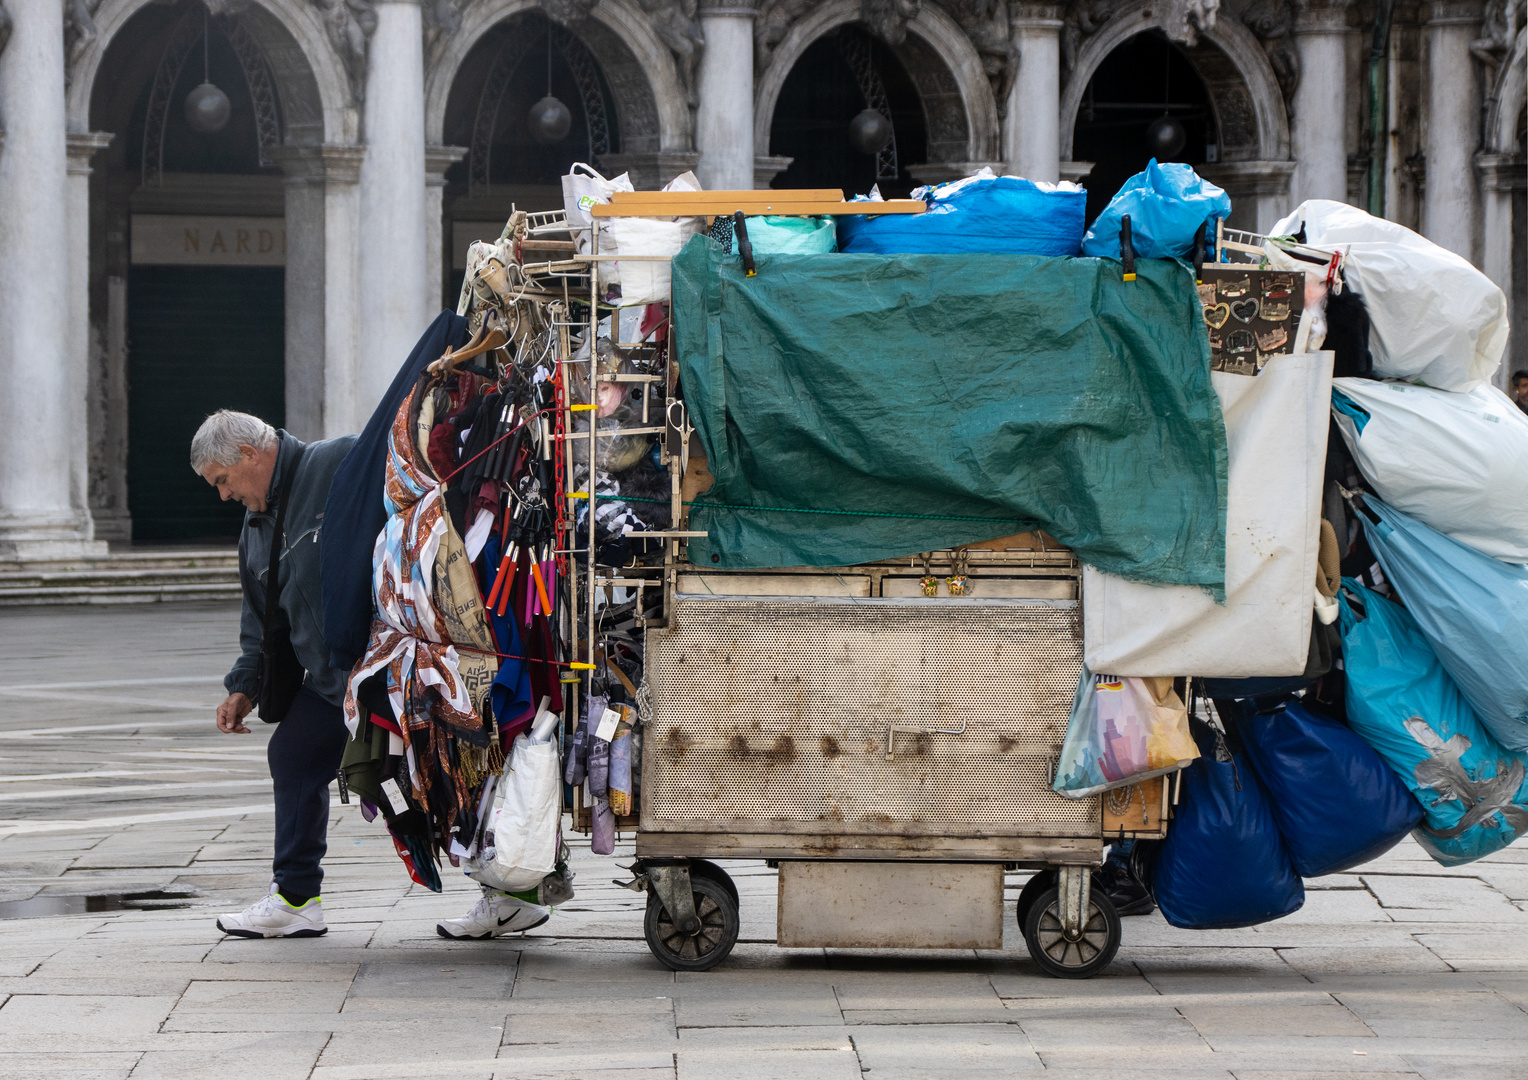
(1276, 426)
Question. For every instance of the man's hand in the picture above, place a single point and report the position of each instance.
(232, 713)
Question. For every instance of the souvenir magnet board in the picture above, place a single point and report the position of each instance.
(1250, 315)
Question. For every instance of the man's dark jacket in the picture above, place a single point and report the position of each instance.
(354, 515)
(298, 604)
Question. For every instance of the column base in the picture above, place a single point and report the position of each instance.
(58, 535)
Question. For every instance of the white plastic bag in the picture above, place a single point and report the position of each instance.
(525, 823)
(647, 282)
(1276, 425)
(1456, 462)
(1433, 318)
(583, 189)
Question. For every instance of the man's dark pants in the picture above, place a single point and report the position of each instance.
(304, 754)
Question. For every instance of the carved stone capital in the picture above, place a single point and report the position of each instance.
(320, 164)
(437, 159)
(1452, 12)
(1028, 14)
(1501, 172)
(1321, 17)
(738, 8)
(82, 146)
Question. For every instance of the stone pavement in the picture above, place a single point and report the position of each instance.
(113, 781)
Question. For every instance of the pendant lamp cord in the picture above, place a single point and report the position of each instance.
(549, 58)
(206, 35)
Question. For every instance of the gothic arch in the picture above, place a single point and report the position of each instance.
(961, 112)
(1249, 107)
(312, 86)
(651, 106)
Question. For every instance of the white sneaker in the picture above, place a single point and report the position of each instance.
(271, 916)
(494, 915)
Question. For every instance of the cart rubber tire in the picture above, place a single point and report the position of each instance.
(709, 946)
(708, 869)
(1043, 879)
(1081, 959)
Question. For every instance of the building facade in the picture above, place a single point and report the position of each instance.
(155, 266)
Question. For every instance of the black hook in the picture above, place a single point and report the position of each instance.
(744, 248)
(1126, 249)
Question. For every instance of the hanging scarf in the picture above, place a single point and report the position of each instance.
(426, 603)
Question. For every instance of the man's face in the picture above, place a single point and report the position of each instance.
(248, 481)
(1520, 389)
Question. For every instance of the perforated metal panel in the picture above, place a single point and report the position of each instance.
(772, 716)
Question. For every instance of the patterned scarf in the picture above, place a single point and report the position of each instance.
(426, 602)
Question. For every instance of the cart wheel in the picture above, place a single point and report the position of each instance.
(708, 869)
(1080, 959)
(716, 912)
(1044, 879)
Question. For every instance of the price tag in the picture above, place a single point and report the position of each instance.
(607, 725)
(394, 795)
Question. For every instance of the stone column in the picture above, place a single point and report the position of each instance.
(323, 320)
(1499, 176)
(724, 85)
(1032, 127)
(81, 148)
(437, 159)
(1452, 123)
(43, 503)
(1318, 134)
(393, 258)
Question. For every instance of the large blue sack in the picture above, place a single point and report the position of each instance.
(1168, 205)
(1223, 863)
(998, 215)
(1337, 803)
(1472, 609)
(1402, 702)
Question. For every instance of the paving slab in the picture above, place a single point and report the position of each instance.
(768, 1065)
(100, 1016)
(927, 1052)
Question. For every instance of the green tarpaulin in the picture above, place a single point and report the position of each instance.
(914, 402)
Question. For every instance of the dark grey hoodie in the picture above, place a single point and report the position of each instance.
(300, 601)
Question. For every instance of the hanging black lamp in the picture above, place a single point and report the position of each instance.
(549, 119)
(1165, 137)
(869, 131)
(207, 107)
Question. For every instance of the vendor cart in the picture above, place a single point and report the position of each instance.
(891, 753)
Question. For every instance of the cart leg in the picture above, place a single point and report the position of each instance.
(1075, 883)
(672, 884)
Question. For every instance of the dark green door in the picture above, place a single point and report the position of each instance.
(199, 339)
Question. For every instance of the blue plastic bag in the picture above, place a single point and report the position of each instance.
(1472, 609)
(1001, 215)
(1337, 803)
(1402, 702)
(1168, 204)
(1223, 863)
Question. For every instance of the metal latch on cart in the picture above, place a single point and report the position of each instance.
(897, 729)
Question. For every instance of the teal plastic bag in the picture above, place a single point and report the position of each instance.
(792, 235)
(1402, 703)
(1471, 608)
(1167, 205)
